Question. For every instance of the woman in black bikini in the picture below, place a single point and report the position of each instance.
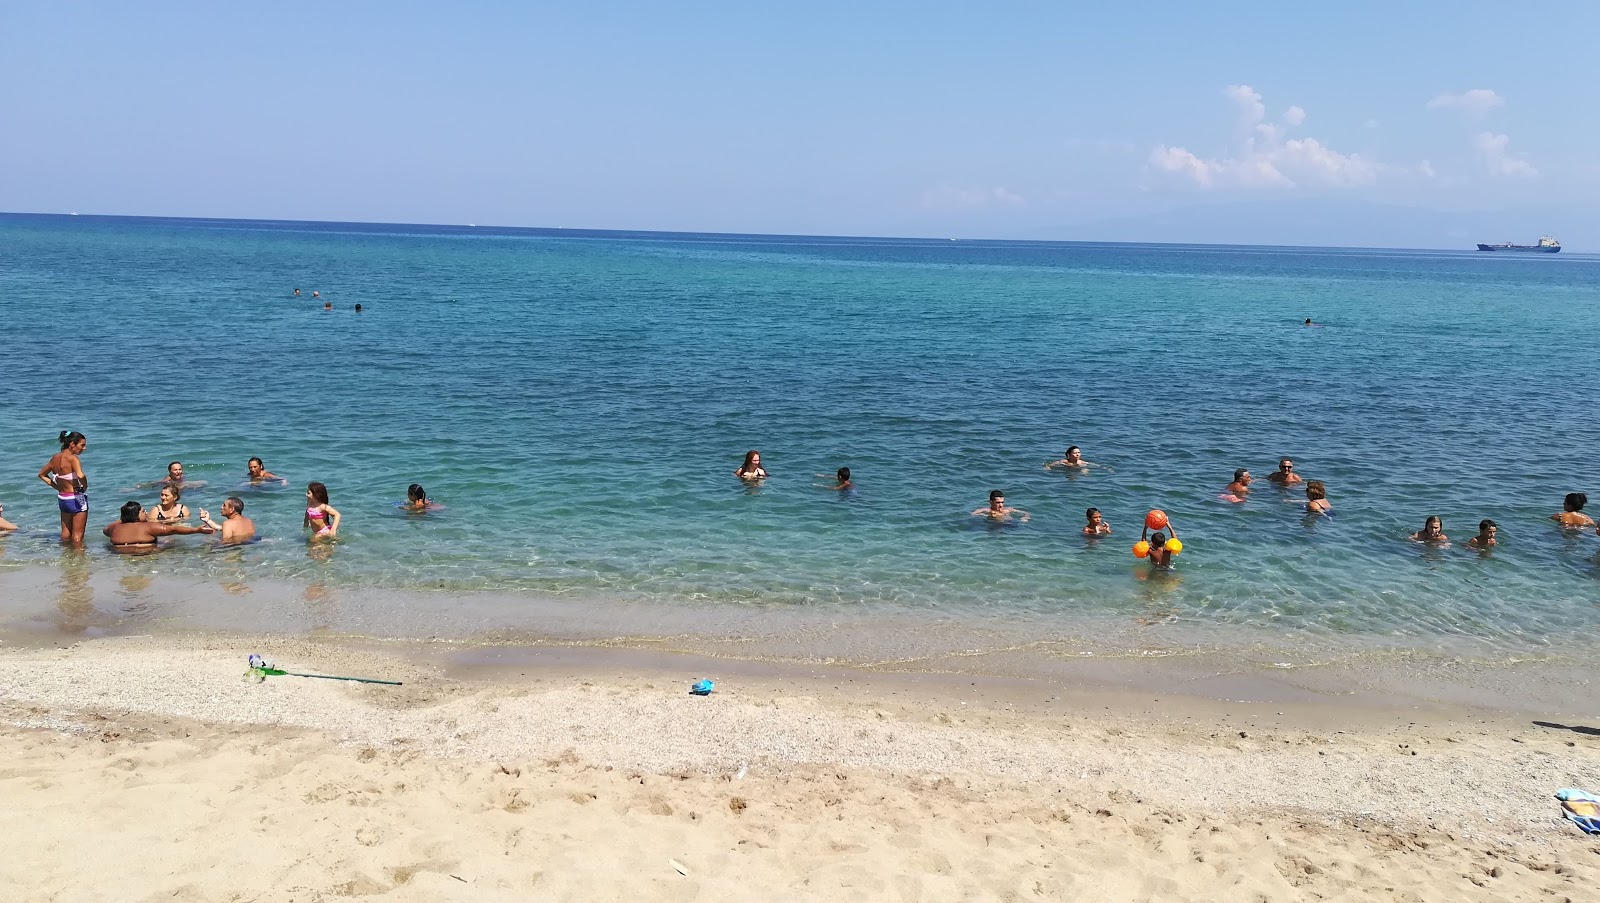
(171, 510)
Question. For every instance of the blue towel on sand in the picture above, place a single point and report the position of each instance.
(1582, 807)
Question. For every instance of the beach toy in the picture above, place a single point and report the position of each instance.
(261, 669)
(1156, 519)
(702, 688)
(1173, 546)
(1141, 549)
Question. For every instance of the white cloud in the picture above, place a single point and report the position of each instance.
(948, 197)
(1495, 150)
(1426, 169)
(1264, 159)
(1249, 101)
(1475, 102)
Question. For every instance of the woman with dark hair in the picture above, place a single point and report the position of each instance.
(171, 510)
(417, 499)
(751, 470)
(64, 473)
(1572, 511)
(320, 516)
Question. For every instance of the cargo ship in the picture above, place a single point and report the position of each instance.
(1546, 245)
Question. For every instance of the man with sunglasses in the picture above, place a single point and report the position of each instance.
(1285, 475)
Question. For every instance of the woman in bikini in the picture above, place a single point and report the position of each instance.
(1572, 516)
(1317, 498)
(64, 473)
(171, 510)
(320, 516)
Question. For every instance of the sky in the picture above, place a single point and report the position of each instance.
(998, 120)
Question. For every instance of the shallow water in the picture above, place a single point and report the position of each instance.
(579, 400)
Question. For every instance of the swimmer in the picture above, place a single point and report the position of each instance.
(235, 527)
(64, 473)
(1285, 475)
(417, 499)
(174, 477)
(297, 293)
(358, 308)
(1239, 488)
(751, 470)
(135, 534)
(1309, 323)
(1486, 535)
(1096, 525)
(326, 305)
(1317, 498)
(1072, 459)
(841, 479)
(1432, 531)
(171, 510)
(259, 474)
(997, 510)
(1572, 511)
(316, 294)
(320, 516)
(5, 525)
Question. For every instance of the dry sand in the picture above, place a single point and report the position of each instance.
(145, 769)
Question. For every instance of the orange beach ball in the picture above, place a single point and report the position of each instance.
(1141, 549)
(1156, 519)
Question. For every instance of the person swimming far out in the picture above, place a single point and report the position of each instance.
(1488, 535)
(1317, 498)
(997, 510)
(1095, 524)
(1572, 515)
(1432, 531)
(321, 518)
(751, 470)
(1285, 475)
(1239, 489)
(1072, 459)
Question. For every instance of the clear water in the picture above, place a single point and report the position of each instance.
(579, 400)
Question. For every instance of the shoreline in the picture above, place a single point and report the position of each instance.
(968, 786)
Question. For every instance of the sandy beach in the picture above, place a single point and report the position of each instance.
(145, 768)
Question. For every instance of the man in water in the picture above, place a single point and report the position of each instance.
(1486, 535)
(235, 527)
(134, 535)
(259, 473)
(1240, 487)
(1073, 459)
(997, 510)
(297, 293)
(1285, 475)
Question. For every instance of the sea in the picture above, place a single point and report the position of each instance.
(577, 401)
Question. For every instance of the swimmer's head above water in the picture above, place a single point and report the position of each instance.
(72, 441)
(416, 495)
(131, 512)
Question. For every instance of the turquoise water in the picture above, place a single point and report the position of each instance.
(579, 400)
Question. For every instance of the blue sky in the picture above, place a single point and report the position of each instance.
(993, 120)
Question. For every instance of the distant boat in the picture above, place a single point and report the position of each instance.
(1546, 245)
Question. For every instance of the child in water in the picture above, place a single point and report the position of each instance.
(1432, 531)
(1160, 555)
(1486, 535)
(1096, 525)
(417, 499)
(320, 516)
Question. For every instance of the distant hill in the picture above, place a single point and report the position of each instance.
(1337, 223)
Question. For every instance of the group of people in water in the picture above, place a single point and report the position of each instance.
(1156, 543)
(139, 528)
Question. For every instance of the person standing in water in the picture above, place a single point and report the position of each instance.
(1572, 512)
(235, 527)
(751, 470)
(64, 473)
(321, 517)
